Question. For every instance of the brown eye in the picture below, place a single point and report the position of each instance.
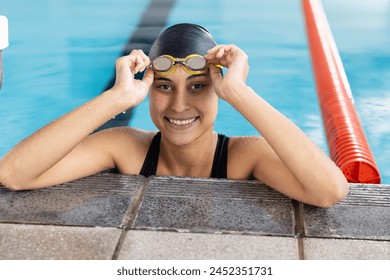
(197, 86)
(164, 87)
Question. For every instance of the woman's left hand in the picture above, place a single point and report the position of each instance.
(236, 61)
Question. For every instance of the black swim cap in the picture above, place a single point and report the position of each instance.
(181, 40)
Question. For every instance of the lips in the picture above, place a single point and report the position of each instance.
(182, 122)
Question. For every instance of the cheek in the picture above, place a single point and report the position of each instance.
(153, 109)
(156, 102)
(210, 104)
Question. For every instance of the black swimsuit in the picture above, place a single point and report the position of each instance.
(219, 169)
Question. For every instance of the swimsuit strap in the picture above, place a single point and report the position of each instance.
(149, 167)
(219, 169)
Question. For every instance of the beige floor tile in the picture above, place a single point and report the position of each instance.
(173, 245)
(26, 242)
(345, 249)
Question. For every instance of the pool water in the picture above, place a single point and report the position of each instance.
(62, 54)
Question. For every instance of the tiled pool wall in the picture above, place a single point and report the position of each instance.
(113, 216)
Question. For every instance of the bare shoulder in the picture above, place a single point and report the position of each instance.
(134, 135)
(128, 146)
(247, 144)
(244, 153)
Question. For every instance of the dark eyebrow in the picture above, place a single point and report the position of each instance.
(188, 78)
(197, 75)
(163, 79)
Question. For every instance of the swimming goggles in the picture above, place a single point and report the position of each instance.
(192, 64)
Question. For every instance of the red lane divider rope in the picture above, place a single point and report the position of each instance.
(347, 143)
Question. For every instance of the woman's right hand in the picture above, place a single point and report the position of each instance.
(132, 91)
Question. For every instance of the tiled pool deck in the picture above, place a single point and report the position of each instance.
(113, 216)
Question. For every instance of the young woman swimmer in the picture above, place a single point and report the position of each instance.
(184, 81)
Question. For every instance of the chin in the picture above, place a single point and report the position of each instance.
(184, 137)
(181, 137)
(180, 140)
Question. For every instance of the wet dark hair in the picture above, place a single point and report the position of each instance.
(181, 40)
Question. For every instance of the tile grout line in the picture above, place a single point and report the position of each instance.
(130, 217)
(299, 227)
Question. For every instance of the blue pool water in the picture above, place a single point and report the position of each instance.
(62, 54)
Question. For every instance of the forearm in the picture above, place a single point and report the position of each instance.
(310, 166)
(43, 149)
(289, 161)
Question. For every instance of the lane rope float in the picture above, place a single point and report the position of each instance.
(347, 142)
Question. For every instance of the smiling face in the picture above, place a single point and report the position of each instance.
(183, 106)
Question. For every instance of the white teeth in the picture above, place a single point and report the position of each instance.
(182, 122)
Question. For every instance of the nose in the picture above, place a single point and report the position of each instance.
(180, 101)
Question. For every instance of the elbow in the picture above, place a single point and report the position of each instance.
(338, 191)
(9, 181)
(13, 187)
(11, 184)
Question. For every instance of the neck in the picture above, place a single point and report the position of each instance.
(194, 159)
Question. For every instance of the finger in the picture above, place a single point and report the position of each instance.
(220, 53)
(212, 53)
(140, 63)
(212, 58)
(223, 62)
(148, 77)
(144, 57)
(124, 63)
(136, 51)
(136, 59)
(133, 52)
(225, 55)
(215, 49)
(215, 72)
(227, 49)
(130, 59)
(146, 61)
